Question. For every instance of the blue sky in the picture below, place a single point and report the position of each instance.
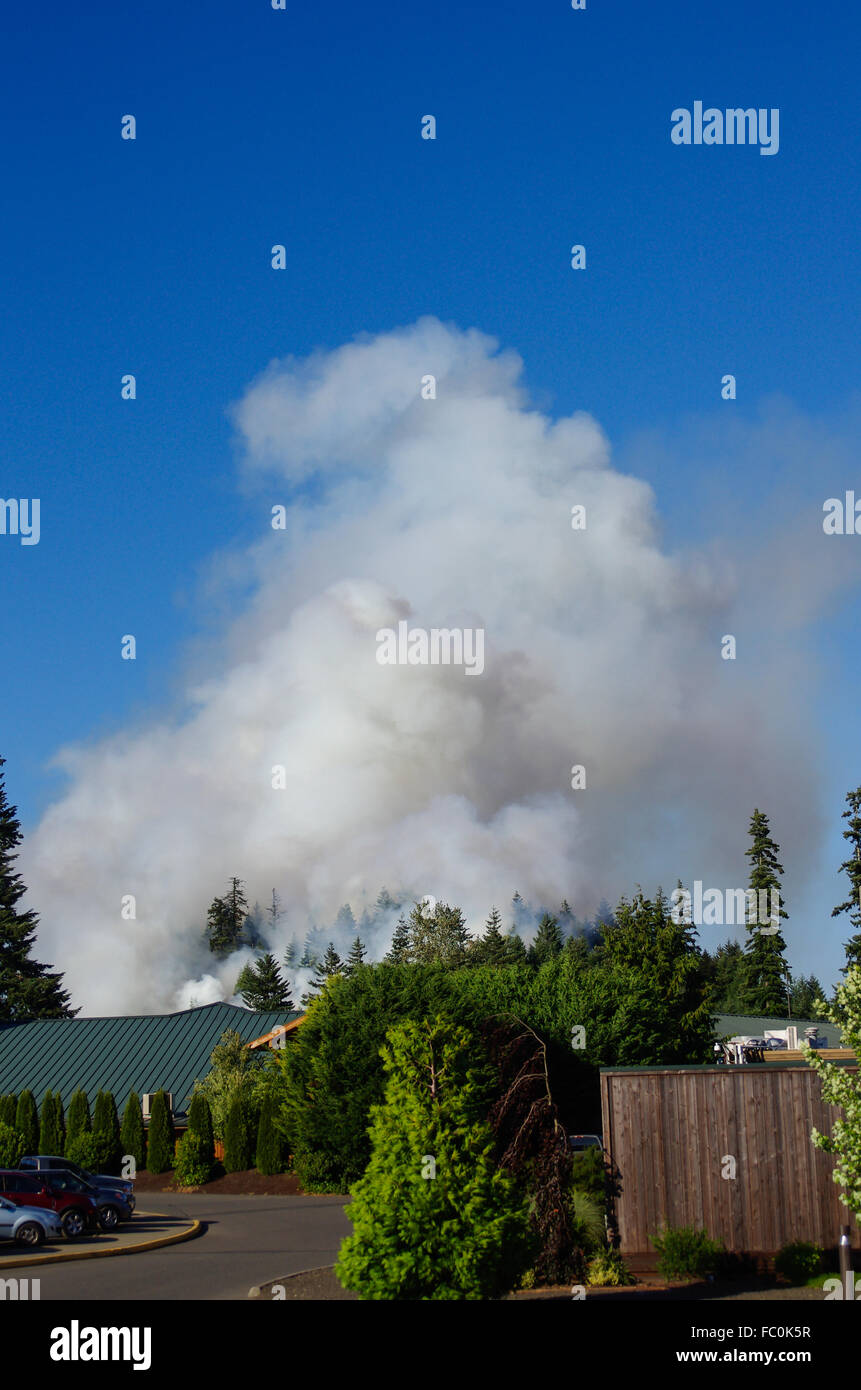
(256, 127)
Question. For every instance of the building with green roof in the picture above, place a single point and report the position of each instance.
(145, 1053)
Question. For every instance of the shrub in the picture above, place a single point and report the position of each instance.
(50, 1137)
(607, 1269)
(193, 1167)
(237, 1139)
(60, 1122)
(200, 1123)
(269, 1157)
(799, 1261)
(161, 1139)
(27, 1121)
(79, 1117)
(686, 1253)
(8, 1106)
(106, 1127)
(433, 1217)
(133, 1134)
(85, 1151)
(11, 1146)
(588, 1174)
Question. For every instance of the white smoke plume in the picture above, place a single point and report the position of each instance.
(602, 649)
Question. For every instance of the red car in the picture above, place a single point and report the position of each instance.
(76, 1211)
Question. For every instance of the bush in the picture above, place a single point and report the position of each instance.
(11, 1146)
(86, 1151)
(586, 1217)
(200, 1123)
(799, 1261)
(50, 1137)
(27, 1121)
(686, 1253)
(106, 1128)
(8, 1106)
(588, 1174)
(434, 1217)
(607, 1269)
(269, 1157)
(161, 1139)
(133, 1135)
(193, 1167)
(237, 1139)
(60, 1122)
(79, 1117)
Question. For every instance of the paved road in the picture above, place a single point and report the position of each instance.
(248, 1240)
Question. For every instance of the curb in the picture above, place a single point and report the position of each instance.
(195, 1229)
(256, 1291)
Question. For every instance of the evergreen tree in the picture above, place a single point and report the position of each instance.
(548, 941)
(726, 974)
(161, 1139)
(27, 1122)
(290, 955)
(439, 937)
(490, 949)
(8, 1106)
(385, 904)
(200, 1123)
(28, 990)
(515, 947)
(765, 962)
(263, 987)
(308, 959)
(269, 1155)
(331, 964)
(60, 1120)
(345, 921)
(226, 920)
(237, 1140)
(132, 1133)
(356, 957)
(79, 1117)
(106, 1128)
(399, 951)
(806, 995)
(434, 1217)
(50, 1139)
(851, 867)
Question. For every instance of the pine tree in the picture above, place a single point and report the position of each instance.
(331, 964)
(226, 920)
(439, 937)
(548, 941)
(399, 951)
(269, 1155)
(50, 1142)
(385, 904)
(765, 963)
(28, 990)
(290, 955)
(308, 959)
(263, 987)
(27, 1122)
(492, 948)
(345, 921)
(851, 867)
(79, 1117)
(237, 1141)
(200, 1123)
(356, 958)
(434, 1217)
(106, 1129)
(132, 1132)
(160, 1137)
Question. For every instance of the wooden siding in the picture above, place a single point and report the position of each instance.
(668, 1132)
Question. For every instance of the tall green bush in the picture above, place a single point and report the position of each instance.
(60, 1121)
(106, 1128)
(269, 1157)
(78, 1121)
(237, 1139)
(50, 1137)
(11, 1146)
(200, 1124)
(8, 1106)
(160, 1138)
(133, 1136)
(193, 1168)
(27, 1121)
(433, 1217)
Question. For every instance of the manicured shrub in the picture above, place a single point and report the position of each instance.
(11, 1146)
(27, 1121)
(200, 1124)
(78, 1121)
(50, 1137)
(686, 1253)
(269, 1157)
(237, 1138)
(60, 1121)
(86, 1151)
(133, 1136)
(106, 1128)
(799, 1261)
(434, 1217)
(607, 1269)
(160, 1138)
(8, 1106)
(192, 1167)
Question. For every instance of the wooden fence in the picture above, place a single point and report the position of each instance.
(673, 1132)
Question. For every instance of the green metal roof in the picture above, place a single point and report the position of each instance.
(150, 1052)
(728, 1025)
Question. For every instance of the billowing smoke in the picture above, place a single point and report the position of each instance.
(454, 511)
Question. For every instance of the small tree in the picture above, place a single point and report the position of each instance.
(50, 1138)
(60, 1121)
(433, 1216)
(8, 1106)
(79, 1117)
(132, 1132)
(11, 1146)
(200, 1123)
(234, 1069)
(356, 958)
(106, 1128)
(263, 987)
(237, 1139)
(842, 1087)
(399, 951)
(269, 1157)
(27, 1121)
(161, 1139)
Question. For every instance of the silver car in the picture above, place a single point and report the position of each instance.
(28, 1225)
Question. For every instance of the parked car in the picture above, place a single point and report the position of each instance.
(51, 1163)
(28, 1225)
(579, 1142)
(77, 1211)
(112, 1207)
